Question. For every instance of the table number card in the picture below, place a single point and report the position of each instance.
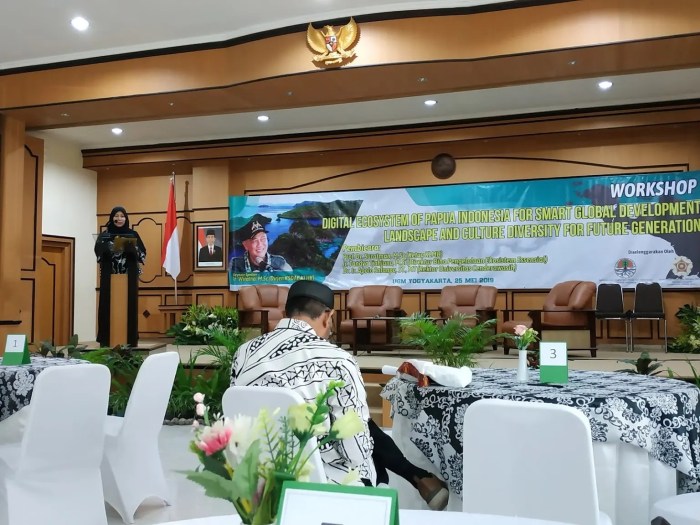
(16, 350)
(326, 504)
(554, 366)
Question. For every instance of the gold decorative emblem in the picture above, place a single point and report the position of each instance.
(333, 48)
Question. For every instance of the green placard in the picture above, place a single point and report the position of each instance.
(16, 350)
(336, 514)
(554, 367)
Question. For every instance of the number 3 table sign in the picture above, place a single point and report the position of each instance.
(554, 367)
(16, 350)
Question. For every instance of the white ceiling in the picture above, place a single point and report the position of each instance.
(39, 33)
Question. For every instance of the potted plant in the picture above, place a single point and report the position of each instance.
(452, 342)
(689, 339)
(200, 321)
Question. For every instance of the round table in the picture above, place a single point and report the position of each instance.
(17, 382)
(658, 417)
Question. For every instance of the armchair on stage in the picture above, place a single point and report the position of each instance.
(469, 299)
(262, 305)
(567, 309)
(364, 304)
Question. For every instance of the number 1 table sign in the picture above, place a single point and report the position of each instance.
(16, 350)
(554, 367)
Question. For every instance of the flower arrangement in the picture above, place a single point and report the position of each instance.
(245, 460)
(199, 323)
(524, 336)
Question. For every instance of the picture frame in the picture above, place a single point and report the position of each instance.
(209, 258)
(328, 504)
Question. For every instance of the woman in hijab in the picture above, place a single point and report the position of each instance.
(119, 256)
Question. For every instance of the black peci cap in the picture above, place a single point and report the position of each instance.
(255, 225)
(211, 232)
(312, 290)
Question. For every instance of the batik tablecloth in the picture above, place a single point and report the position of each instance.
(660, 415)
(17, 382)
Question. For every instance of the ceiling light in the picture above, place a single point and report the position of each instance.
(263, 118)
(80, 23)
(430, 102)
(65, 114)
(117, 131)
(422, 79)
(605, 85)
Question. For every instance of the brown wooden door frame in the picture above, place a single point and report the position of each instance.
(66, 245)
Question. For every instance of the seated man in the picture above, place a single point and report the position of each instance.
(297, 355)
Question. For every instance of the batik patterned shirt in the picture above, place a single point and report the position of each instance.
(293, 356)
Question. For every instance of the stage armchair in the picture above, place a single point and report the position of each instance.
(567, 307)
(262, 305)
(369, 301)
(468, 299)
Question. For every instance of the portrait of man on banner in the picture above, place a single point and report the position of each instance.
(256, 258)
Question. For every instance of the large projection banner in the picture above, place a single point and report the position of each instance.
(518, 234)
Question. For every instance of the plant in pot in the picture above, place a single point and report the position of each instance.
(200, 321)
(643, 365)
(123, 364)
(689, 339)
(452, 342)
(72, 349)
(211, 378)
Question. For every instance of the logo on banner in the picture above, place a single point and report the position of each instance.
(682, 266)
(625, 268)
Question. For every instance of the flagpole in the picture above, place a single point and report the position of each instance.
(175, 278)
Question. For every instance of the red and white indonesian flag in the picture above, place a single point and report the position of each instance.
(170, 257)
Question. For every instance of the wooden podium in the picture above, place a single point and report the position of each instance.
(117, 311)
(118, 305)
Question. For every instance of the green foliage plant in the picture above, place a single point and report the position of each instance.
(123, 364)
(211, 379)
(72, 349)
(200, 321)
(643, 365)
(689, 339)
(452, 342)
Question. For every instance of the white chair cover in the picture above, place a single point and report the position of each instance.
(531, 460)
(131, 467)
(53, 475)
(679, 510)
(248, 400)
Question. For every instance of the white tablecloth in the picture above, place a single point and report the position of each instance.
(406, 517)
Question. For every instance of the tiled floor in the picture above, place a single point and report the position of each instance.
(189, 500)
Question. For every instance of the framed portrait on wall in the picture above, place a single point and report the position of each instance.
(209, 246)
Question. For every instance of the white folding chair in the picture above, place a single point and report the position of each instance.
(248, 400)
(532, 460)
(131, 467)
(683, 509)
(53, 475)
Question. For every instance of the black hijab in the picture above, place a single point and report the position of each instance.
(114, 229)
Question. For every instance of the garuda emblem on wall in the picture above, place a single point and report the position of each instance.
(333, 47)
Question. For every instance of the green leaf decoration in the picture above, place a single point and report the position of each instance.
(214, 486)
(245, 477)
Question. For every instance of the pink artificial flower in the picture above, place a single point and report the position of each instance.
(520, 329)
(195, 424)
(200, 409)
(199, 397)
(214, 438)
